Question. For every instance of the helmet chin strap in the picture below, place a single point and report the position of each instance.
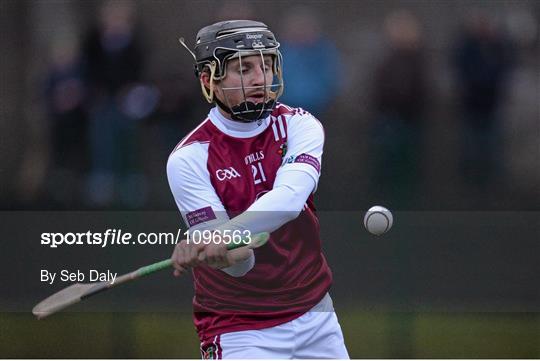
(224, 107)
(250, 113)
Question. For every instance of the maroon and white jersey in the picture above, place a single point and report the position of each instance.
(216, 173)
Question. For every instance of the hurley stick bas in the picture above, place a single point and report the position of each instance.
(80, 291)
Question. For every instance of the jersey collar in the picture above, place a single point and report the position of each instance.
(237, 129)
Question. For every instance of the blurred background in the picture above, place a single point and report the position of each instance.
(430, 108)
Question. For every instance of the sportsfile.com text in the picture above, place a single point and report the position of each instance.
(113, 237)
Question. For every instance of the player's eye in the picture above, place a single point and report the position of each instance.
(243, 70)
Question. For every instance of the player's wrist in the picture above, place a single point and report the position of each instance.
(241, 262)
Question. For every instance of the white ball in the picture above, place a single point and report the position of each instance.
(378, 220)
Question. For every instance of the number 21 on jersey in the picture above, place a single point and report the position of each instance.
(258, 173)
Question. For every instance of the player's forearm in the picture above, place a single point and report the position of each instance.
(271, 211)
(268, 213)
(277, 207)
(239, 269)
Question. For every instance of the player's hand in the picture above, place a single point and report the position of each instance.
(214, 254)
(186, 255)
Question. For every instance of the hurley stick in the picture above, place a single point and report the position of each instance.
(79, 291)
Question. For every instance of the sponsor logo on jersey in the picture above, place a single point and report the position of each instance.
(253, 157)
(200, 215)
(304, 158)
(227, 173)
(289, 159)
(309, 159)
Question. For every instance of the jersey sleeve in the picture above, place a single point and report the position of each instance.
(305, 141)
(196, 198)
(193, 192)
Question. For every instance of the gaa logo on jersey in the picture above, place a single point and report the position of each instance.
(227, 173)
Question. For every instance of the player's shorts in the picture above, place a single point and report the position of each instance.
(314, 335)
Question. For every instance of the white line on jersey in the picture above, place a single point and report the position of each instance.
(181, 144)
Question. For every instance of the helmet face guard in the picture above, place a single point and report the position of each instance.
(245, 110)
(238, 39)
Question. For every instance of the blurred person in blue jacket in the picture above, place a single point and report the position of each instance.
(114, 61)
(312, 70)
(64, 95)
(400, 98)
(483, 58)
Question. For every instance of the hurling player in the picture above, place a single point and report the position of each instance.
(252, 166)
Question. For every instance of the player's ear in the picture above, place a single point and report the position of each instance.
(207, 84)
(205, 79)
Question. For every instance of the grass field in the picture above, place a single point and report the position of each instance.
(368, 335)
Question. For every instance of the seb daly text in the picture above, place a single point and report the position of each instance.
(78, 276)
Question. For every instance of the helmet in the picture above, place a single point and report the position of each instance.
(225, 40)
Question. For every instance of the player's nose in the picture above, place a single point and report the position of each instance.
(258, 76)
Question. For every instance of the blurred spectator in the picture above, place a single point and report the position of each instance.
(64, 94)
(399, 99)
(313, 67)
(175, 116)
(176, 112)
(483, 59)
(114, 61)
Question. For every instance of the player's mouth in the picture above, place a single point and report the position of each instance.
(255, 97)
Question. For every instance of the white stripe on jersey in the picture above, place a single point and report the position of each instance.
(181, 144)
(286, 107)
(215, 348)
(280, 120)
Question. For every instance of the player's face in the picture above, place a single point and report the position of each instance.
(253, 73)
